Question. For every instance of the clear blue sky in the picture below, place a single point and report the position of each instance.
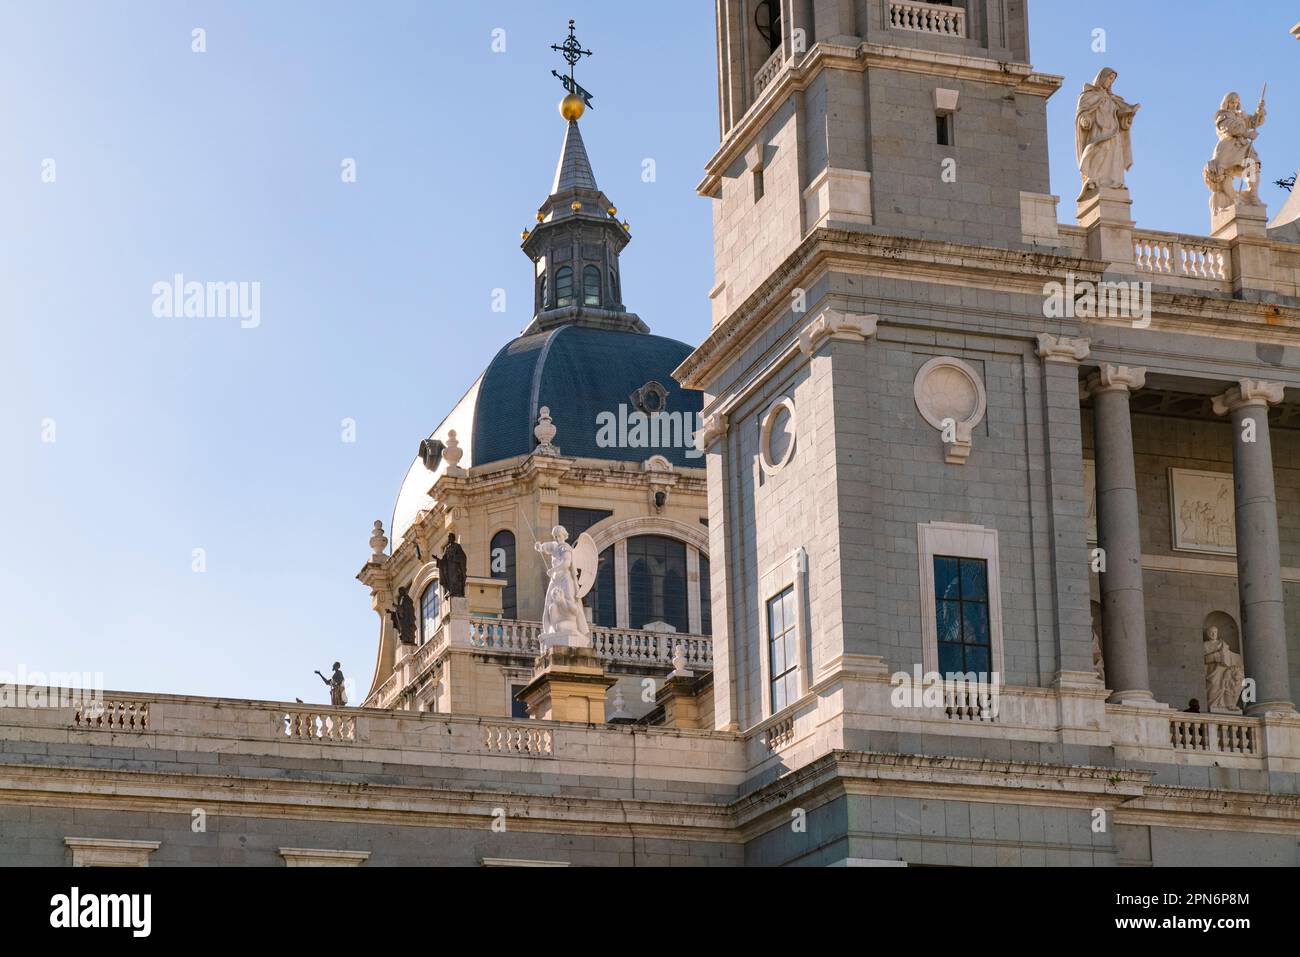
(176, 434)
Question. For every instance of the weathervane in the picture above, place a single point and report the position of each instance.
(572, 52)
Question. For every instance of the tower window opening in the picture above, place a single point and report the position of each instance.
(943, 129)
(767, 18)
(758, 185)
(564, 286)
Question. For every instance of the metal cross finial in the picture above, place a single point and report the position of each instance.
(571, 50)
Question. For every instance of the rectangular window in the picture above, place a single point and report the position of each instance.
(943, 129)
(758, 185)
(783, 655)
(517, 708)
(963, 630)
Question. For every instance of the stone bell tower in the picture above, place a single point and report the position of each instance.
(917, 118)
(882, 225)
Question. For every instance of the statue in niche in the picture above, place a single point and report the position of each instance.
(403, 617)
(1234, 155)
(1102, 145)
(1224, 674)
(452, 567)
(1098, 662)
(338, 696)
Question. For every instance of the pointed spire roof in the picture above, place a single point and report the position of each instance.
(574, 169)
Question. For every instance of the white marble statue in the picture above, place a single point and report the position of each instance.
(1224, 674)
(1234, 155)
(572, 572)
(1101, 134)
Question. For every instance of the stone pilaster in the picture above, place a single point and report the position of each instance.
(1259, 556)
(1063, 452)
(1123, 609)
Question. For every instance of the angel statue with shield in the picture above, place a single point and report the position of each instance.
(572, 571)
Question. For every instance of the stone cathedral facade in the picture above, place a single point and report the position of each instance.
(983, 547)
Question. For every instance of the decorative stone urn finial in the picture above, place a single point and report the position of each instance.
(619, 712)
(545, 433)
(378, 542)
(452, 454)
(679, 662)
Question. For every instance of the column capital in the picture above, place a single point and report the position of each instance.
(1248, 392)
(1061, 348)
(1111, 378)
(831, 323)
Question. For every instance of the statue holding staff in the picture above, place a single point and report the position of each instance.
(1234, 155)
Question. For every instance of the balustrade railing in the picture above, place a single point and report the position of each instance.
(1215, 733)
(948, 21)
(518, 739)
(769, 71)
(319, 726)
(1172, 254)
(112, 715)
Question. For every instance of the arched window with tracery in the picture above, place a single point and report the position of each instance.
(656, 582)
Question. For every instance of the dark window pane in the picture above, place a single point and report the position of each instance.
(975, 617)
(945, 578)
(974, 579)
(601, 597)
(948, 621)
(977, 659)
(706, 591)
(578, 520)
(950, 658)
(517, 708)
(502, 565)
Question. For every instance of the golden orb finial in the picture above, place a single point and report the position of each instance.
(541, 217)
(572, 107)
(524, 234)
(575, 206)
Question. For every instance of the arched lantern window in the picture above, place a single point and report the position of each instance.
(591, 286)
(564, 286)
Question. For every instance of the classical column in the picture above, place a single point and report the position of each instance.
(1123, 611)
(1259, 556)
